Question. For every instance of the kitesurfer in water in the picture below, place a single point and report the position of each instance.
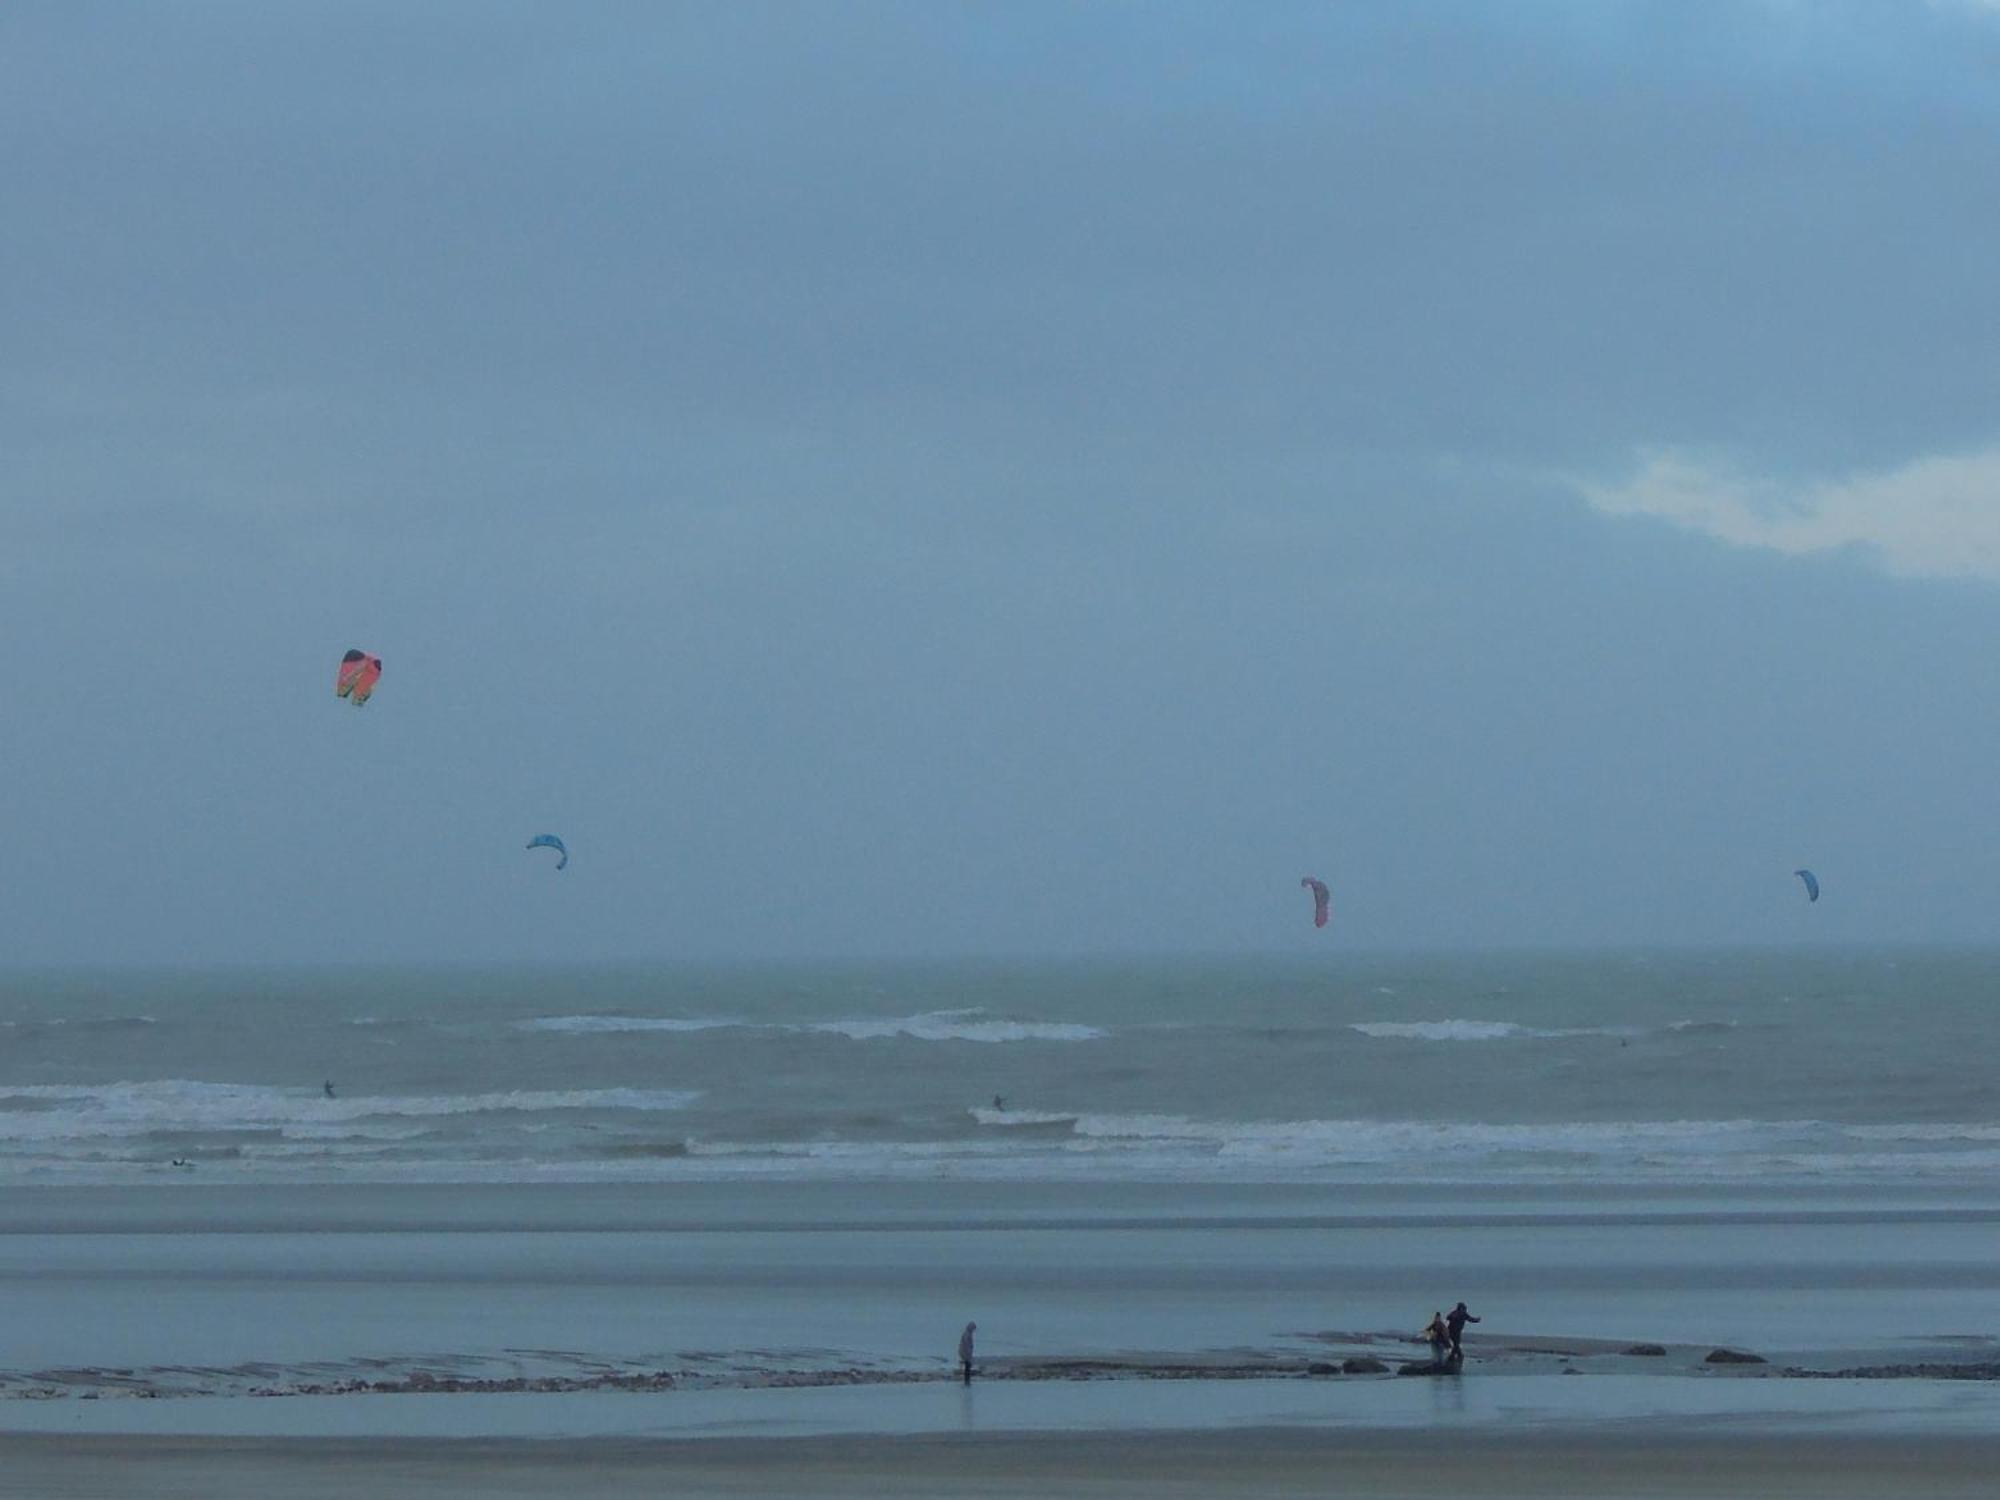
(328, 1086)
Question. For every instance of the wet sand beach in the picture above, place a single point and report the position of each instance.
(1654, 1462)
(227, 1290)
(786, 1339)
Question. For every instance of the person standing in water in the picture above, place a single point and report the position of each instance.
(1439, 1337)
(1455, 1322)
(965, 1352)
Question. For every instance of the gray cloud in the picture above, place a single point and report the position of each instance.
(906, 478)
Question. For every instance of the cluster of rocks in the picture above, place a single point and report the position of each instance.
(1982, 1371)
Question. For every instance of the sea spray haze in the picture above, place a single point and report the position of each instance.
(1619, 1068)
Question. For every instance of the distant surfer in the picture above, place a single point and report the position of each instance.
(1454, 1323)
(999, 1105)
(328, 1086)
(965, 1352)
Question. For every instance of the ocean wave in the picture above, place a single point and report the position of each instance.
(1016, 1145)
(46, 1112)
(958, 1026)
(931, 1026)
(1481, 1031)
(591, 1025)
(1351, 1142)
(1926, 1131)
(1368, 1140)
(1440, 1031)
(1162, 1147)
(1017, 1119)
(1385, 1140)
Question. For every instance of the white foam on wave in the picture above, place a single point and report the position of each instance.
(1005, 1118)
(957, 1026)
(299, 1134)
(1177, 1147)
(1478, 1031)
(52, 1112)
(592, 1025)
(1385, 1140)
(931, 1026)
(1928, 1131)
(1440, 1031)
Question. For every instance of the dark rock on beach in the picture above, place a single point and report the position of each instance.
(1363, 1367)
(1321, 1367)
(1733, 1357)
(1423, 1367)
(1651, 1351)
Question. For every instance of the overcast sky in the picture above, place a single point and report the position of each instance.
(928, 479)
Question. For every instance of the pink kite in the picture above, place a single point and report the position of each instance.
(356, 679)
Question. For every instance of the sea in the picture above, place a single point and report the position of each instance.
(675, 1199)
(1853, 1068)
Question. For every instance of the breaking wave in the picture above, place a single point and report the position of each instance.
(595, 1025)
(1441, 1031)
(1493, 1031)
(50, 1112)
(931, 1026)
(959, 1026)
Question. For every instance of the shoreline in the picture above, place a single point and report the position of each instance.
(1341, 1358)
(948, 1206)
(1486, 1405)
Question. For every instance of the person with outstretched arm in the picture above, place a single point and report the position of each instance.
(965, 1352)
(1454, 1322)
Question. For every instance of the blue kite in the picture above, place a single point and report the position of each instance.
(550, 841)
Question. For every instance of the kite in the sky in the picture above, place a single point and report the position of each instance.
(1812, 883)
(356, 678)
(550, 841)
(1320, 899)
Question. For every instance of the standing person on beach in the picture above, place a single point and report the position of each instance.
(1455, 1322)
(1439, 1337)
(965, 1352)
